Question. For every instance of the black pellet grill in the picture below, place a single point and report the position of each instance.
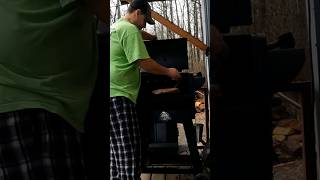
(159, 114)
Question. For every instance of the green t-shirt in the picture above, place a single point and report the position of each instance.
(126, 47)
(48, 57)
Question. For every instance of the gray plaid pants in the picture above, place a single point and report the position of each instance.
(125, 140)
(38, 145)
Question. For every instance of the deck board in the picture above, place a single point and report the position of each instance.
(146, 176)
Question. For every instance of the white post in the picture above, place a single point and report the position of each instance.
(313, 22)
(205, 4)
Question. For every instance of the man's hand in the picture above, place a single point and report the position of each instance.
(174, 74)
(148, 36)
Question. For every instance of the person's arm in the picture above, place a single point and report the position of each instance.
(100, 8)
(153, 67)
(148, 36)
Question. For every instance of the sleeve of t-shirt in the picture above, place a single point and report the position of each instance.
(134, 47)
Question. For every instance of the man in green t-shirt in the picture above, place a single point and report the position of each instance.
(127, 55)
(48, 67)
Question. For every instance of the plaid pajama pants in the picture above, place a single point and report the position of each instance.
(125, 140)
(38, 145)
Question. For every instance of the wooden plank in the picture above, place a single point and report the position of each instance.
(186, 177)
(172, 177)
(145, 176)
(193, 40)
(158, 177)
(167, 177)
(126, 2)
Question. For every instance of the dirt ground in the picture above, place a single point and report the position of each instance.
(289, 171)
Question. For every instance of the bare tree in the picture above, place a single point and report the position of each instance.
(196, 28)
(177, 13)
(171, 18)
(161, 27)
(154, 27)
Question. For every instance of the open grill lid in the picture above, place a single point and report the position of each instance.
(169, 52)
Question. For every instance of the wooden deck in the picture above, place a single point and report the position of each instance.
(167, 177)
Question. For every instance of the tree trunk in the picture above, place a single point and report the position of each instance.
(177, 13)
(155, 26)
(171, 17)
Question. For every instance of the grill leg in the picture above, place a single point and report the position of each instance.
(192, 144)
